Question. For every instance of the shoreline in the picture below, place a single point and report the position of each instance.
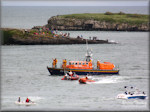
(79, 30)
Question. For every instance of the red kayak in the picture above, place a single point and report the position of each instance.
(85, 80)
(74, 77)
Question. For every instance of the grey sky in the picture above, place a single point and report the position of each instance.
(75, 3)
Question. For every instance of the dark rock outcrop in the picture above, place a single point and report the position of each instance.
(46, 41)
(18, 37)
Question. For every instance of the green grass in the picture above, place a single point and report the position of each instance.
(7, 34)
(133, 19)
(12, 32)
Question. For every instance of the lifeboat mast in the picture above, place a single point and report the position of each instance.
(88, 54)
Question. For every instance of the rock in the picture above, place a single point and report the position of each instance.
(17, 38)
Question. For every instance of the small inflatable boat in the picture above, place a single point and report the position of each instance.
(73, 77)
(85, 80)
(129, 96)
(24, 103)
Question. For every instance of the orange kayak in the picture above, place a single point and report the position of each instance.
(85, 80)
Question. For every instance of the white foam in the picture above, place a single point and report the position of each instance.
(109, 79)
(106, 79)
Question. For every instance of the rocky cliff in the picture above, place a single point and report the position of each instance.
(105, 24)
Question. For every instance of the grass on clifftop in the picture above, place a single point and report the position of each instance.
(133, 19)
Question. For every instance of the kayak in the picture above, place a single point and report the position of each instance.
(84, 80)
(24, 103)
(134, 96)
(76, 77)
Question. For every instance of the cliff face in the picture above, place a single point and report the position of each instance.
(59, 23)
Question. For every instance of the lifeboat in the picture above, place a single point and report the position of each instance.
(85, 67)
(85, 80)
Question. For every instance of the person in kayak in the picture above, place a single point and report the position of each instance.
(19, 99)
(28, 100)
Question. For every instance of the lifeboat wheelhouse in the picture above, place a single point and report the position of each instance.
(79, 65)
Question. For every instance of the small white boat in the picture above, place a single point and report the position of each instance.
(129, 96)
(24, 103)
(132, 93)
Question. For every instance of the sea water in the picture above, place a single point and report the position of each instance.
(24, 70)
(24, 74)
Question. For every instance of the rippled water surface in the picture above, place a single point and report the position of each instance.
(24, 73)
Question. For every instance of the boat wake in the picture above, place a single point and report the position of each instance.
(105, 80)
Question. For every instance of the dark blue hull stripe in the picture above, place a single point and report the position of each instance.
(139, 97)
(61, 72)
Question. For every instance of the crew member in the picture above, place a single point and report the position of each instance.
(55, 62)
(70, 73)
(90, 60)
(98, 64)
(86, 78)
(64, 63)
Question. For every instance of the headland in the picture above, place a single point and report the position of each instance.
(100, 21)
(51, 32)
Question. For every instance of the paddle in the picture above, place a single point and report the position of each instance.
(31, 101)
